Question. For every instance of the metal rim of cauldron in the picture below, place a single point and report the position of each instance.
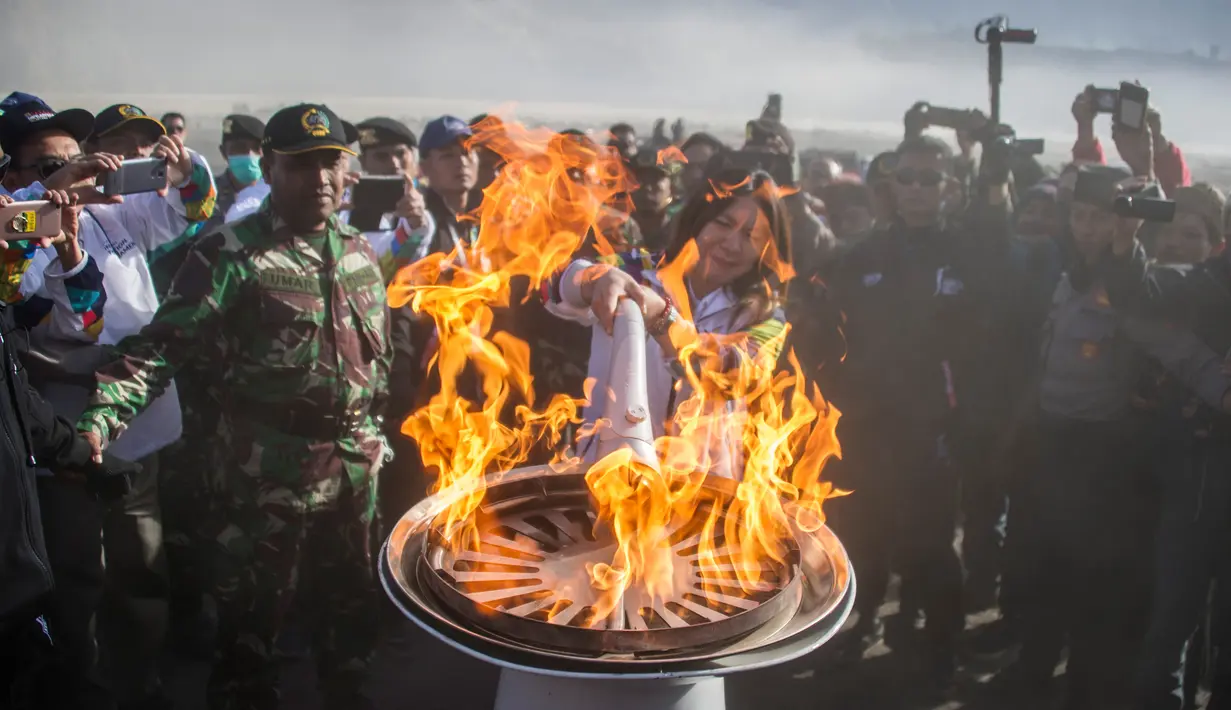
(572, 639)
(825, 602)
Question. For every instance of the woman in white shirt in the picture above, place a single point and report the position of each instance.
(739, 232)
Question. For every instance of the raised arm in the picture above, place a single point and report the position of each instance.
(186, 327)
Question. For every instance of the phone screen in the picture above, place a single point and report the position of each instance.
(1132, 113)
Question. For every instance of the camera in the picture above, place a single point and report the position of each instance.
(1002, 148)
(1145, 201)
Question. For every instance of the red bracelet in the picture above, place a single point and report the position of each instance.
(660, 325)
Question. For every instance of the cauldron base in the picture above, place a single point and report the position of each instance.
(527, 691)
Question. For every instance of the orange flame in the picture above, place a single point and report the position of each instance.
(740, 413)
(671, 154)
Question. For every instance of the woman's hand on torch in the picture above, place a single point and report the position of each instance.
(605, 286)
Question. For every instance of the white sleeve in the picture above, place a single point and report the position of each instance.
(571, 305)
(154, 220)
(419, 241)
(75, 316)
(34, 191)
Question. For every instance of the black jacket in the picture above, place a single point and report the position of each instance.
(30, 434)
(922, 313)
(1196, 298)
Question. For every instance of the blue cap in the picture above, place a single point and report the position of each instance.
(443, 131)
(22, 115)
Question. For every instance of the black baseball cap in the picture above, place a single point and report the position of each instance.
(307, 127)
(239, 126)
(381, 131)
(22, 115)
(118, 115)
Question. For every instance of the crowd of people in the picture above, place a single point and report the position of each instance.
(205, 385)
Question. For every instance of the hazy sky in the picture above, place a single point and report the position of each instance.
(702, 58)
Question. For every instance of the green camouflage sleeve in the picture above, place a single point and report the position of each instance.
(185, 327)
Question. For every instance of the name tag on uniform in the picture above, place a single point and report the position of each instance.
(872, 279)
(363, 278)
(290, 282)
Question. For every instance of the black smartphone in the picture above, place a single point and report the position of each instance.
(773, 107)
(1132, 102)
(1105, 100)
(135, 176)
(1029, 146)
(373, 197)
(779, 167)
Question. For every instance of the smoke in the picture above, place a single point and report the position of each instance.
(849, 65)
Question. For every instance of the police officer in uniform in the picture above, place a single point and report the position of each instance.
(241, 149)
(292, 304)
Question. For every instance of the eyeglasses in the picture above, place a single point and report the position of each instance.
(4, 166)
(923, 178)
(45, 166)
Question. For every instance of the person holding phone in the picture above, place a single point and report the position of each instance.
(122, 238)
(388, 149)
(1147, 152)
(70, 296)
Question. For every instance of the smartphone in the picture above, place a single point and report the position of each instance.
(1132, 103)
(1105, 100)
(373, 197)
(23, 221)
(773, 107)
(1029, 146)
(135, 176)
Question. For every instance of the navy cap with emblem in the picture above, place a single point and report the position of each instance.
(383, 131)
(307, 127)
(22, 115)
(443, 132)
(238, 126)
(113, 117)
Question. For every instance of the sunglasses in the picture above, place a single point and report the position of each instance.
(923, 178)
(45, 167)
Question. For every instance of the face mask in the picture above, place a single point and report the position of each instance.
(245, 168)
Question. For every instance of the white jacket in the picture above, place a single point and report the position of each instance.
(716, 313)
(396, 243)
(45, 277)
(120, 237)
(247, 201)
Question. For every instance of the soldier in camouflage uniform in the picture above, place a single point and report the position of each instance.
(291, 304)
